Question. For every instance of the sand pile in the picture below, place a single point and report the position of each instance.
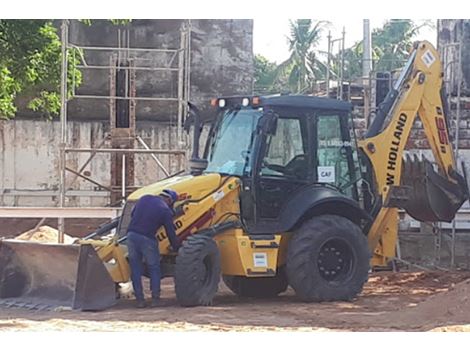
(44, 234)
(441, 309)
(454, 304)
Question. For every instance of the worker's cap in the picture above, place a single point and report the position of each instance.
(169, 193)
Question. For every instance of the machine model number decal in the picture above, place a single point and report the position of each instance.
(428, 58)
(394, 149)
(334, 143)
(442, 132)
(260, 260)
(326, 174)
(218, 195)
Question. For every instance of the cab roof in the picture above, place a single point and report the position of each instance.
(305, 101)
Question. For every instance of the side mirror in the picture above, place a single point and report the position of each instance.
(267, 124)
(192, 117)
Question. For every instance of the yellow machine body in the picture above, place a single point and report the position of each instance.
(205, 199)
(210, 200)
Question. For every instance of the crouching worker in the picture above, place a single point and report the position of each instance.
(149, 214)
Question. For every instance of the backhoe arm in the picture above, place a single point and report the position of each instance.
(412, 184)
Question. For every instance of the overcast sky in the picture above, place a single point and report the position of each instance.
(269, 37)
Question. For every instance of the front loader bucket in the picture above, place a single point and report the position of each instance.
(430, 196)
(42, 276)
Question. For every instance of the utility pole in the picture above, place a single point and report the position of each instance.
(366, 69)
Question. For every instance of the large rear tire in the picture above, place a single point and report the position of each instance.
(257, 287)
(197, 271)
(328, 259)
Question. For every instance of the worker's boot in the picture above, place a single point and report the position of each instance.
(156, 302)
(140, 303)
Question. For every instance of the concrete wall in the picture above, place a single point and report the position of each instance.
(221, 63)
(455, 31)
(420, 248)
(29, 160)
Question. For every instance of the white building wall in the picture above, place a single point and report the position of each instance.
(29, 160)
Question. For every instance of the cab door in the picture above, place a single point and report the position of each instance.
(336, 159)
(284, 166)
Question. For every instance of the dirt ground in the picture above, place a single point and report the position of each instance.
(405, 301)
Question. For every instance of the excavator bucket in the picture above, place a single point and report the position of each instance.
(46, 276)
(428, 196)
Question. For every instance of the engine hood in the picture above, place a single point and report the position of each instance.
(187, 186)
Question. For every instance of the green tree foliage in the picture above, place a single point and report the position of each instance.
(390, 47)
(265, 75)
(303, 66)
(352, 62)
(393, 42)
(30, 65)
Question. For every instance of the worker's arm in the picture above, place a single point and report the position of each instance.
(170, 230)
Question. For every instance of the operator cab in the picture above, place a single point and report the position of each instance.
(281, 145)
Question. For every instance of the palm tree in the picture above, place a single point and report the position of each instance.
(390, 47)
(303, 65)
(392, 43)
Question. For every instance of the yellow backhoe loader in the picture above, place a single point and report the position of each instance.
(283, 195)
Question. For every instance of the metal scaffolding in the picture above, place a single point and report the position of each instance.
(451, 56)
(340, 63)
(124, 62)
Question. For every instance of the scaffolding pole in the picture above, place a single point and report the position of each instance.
(123, 179)
(63, 126)
(457, 140)
(124, 53)
(187, 72)
(328, 66)
(181, 56)
(366, 69)
(331, 60)
(159, 163)
(341, 73)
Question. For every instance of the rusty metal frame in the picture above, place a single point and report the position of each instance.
(456, 46)
(78, 174)
(182, 97)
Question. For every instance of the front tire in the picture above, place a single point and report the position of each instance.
(328, 259)
(197, 271)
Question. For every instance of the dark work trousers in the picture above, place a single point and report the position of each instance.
(144, 249)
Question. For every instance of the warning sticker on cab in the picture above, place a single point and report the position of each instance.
(260, 260)
(428, 58)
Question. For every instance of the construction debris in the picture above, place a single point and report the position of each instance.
(44, 234)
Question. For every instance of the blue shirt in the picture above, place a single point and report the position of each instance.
(149, 214)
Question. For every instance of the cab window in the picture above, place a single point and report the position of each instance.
(286, 151)
(335, 155)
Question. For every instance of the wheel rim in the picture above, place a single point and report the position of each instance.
(335, 260)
